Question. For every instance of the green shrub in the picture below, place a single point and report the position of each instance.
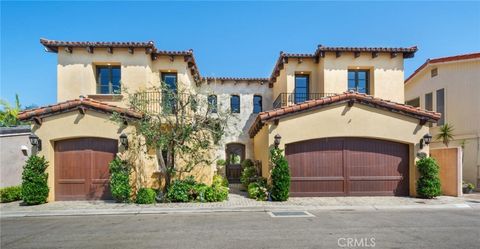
(249, 173)
(280, 190)
(428, 185)
(216, 194)
(258, 190)
(187, 190)
(34, 181)
(181, 190)
(120, 180)
(146, 196)
(220, 181)
(10, 194)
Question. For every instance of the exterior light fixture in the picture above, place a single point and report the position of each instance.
(35, 141)
(426, 140)
(124, 140)
(276, 140)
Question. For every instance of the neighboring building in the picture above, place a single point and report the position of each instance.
(339, 111)
(451, 86)
(15, 148)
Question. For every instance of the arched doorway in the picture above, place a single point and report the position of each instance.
(235, 154)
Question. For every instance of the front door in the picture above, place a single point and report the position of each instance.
(235, 154)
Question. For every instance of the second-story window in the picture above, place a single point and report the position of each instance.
(301, 88)
(358, 81)
(235, 104)
(429, 102)
(169, 91)
(257, 104)
(441, 105)
(108, 79)
(212, 103)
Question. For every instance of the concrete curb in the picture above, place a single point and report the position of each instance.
(140, 210)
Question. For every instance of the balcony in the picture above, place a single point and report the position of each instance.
(157, 101)
(286, 99)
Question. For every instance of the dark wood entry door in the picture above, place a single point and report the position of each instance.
(348, 166)
(81, 168)
(235, 154)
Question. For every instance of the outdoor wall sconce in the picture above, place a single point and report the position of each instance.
(35, 141)
(426, 140)
(124, 140)
(276, 140)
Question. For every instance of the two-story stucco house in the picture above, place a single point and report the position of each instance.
(450, 86)
(339, 112)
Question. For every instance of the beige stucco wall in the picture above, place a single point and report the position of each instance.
(460, 80)
(330, 75)
(76, 72)
(357, 121)
(261, 144)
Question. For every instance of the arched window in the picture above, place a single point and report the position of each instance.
(212, 103)
(257, 104)
(235, 104)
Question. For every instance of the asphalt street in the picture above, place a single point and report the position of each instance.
(326, 229)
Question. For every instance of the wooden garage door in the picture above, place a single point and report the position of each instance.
(81, 168)
(348, 166)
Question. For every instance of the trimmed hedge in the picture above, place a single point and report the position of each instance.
(146, 196)
(34, 181)
(9, 194)
(428, 185)
(280, 190)
(120, 180)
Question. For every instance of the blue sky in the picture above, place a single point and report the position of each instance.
(229, 39)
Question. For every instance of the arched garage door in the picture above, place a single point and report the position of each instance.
(81, 168)
(348, 166)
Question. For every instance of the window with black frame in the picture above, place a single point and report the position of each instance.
(235, 104)
(212, 103)
(257, 104)
(358, 81)
(108, 79)
(169, 91)
(301, 88)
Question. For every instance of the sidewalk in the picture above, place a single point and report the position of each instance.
(239, 203)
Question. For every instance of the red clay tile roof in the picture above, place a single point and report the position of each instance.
(442, 60)
(408, 53)
(54, 44)
(76, 104)
(369, 100)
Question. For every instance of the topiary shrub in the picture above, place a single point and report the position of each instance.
(249, 173)
(146, 196)
(258, 190)
(280, 190)
(10, 194)
(120, 180)
(34, 181)
(220, 181)
(428, 185)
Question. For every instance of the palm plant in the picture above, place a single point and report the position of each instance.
(9, 113)
(445, 134)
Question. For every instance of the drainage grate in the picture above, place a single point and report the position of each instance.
(290, 214)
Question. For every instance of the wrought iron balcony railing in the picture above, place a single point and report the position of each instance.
(158, 101)
(286, 99)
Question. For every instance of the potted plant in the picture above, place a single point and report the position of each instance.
(467, 187)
